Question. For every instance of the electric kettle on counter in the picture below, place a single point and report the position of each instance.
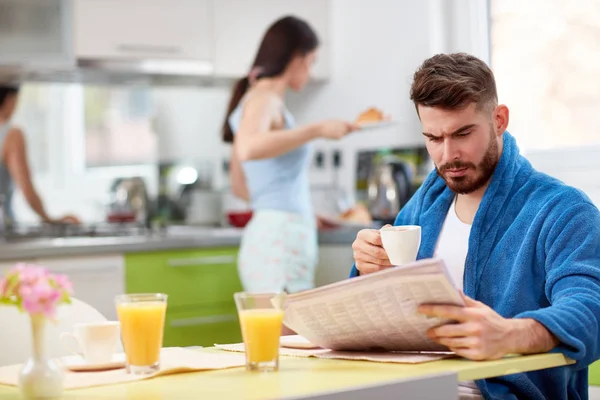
(129, 201)
(390, 187)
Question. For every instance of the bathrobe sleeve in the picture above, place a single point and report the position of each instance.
(570, 241)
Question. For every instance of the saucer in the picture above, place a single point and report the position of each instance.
(77, 363)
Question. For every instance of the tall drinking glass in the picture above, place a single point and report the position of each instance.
(261, 318)
(142, 318)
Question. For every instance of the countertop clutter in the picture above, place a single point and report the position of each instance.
(177, 237)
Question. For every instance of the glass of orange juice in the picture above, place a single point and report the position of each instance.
(142, 318)
(261, 319)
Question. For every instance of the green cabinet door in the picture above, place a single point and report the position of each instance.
(200, 284)
(202, 326)
(189, 277)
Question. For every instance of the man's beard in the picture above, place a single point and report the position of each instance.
(484, 171)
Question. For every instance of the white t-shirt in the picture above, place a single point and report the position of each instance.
(452, 247)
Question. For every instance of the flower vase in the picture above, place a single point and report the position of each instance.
(40, 377)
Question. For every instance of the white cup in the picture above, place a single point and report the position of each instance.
(401, 243)
(97, 341)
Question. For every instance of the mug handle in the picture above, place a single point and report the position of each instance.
(67, 339)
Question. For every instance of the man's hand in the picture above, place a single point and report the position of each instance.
(483, 334)
(369, 253)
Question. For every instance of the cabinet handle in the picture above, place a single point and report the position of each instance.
(83, 269)
(212, 319)
(148, 48)
(210, 260)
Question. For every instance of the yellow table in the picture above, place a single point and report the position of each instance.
(300, 376)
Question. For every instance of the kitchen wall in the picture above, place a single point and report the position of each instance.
(376, 47)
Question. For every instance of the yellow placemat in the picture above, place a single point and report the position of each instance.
(173, 360)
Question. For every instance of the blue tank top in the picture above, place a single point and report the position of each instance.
(6, 182)
(278, 183)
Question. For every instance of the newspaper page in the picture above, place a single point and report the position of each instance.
(375, 311)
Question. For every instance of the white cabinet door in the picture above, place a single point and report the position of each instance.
(155, 29)
(240, 25)
(96, 279)
(36, 32)
(335, 262)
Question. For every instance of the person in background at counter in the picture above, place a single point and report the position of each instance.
(525, 246)
(270, 161)
(14, 167)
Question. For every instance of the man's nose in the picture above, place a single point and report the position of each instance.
(451, 152)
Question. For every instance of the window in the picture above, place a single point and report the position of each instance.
(118, 126)
(546, 59)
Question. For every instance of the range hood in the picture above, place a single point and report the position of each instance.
(104, 41)
(107, 71)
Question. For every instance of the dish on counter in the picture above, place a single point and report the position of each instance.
(239, 219)
(357, 216)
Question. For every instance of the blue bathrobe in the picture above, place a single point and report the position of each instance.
(534, 252)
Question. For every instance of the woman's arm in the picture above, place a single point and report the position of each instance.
(15, 156)
(237, 178)
(255, 139)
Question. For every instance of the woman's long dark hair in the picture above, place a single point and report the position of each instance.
(7, 90)
(285, 38)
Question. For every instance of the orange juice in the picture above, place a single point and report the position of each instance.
(261, 329)
(142, 326)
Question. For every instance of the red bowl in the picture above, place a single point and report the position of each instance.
(239, 219)
(120, 217)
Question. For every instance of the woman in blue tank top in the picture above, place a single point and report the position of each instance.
(14, 167)
(270, 160)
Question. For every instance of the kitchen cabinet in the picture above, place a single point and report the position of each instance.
(200, 285)
(335, 262)
(96, 279)
(34, 32)
(132, 29)
(239, 26)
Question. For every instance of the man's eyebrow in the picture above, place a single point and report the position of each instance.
(462, 129)
(456, 132)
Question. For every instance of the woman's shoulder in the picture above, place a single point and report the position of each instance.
(262, 98)
(13, 136)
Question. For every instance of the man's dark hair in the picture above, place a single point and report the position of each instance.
(453, 82)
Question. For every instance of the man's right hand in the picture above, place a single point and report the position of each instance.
(369, 253)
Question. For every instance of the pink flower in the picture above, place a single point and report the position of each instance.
(64, 283)
(30, 274)
(40, 298)
(34, 289)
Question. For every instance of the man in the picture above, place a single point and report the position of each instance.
(524, 247)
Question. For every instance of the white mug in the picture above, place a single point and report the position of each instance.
(401, 243)
(97, 341)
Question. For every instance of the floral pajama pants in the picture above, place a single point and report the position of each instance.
(279, 252)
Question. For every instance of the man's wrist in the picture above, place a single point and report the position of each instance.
(528, 336)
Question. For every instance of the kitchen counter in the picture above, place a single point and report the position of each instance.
(182, 237)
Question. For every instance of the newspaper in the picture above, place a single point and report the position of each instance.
(375, 312)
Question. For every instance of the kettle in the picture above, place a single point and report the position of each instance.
(130, 202)
(389, 188)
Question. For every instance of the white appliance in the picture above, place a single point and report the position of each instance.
(205, 208)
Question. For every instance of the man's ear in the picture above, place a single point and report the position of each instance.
(500, 118)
